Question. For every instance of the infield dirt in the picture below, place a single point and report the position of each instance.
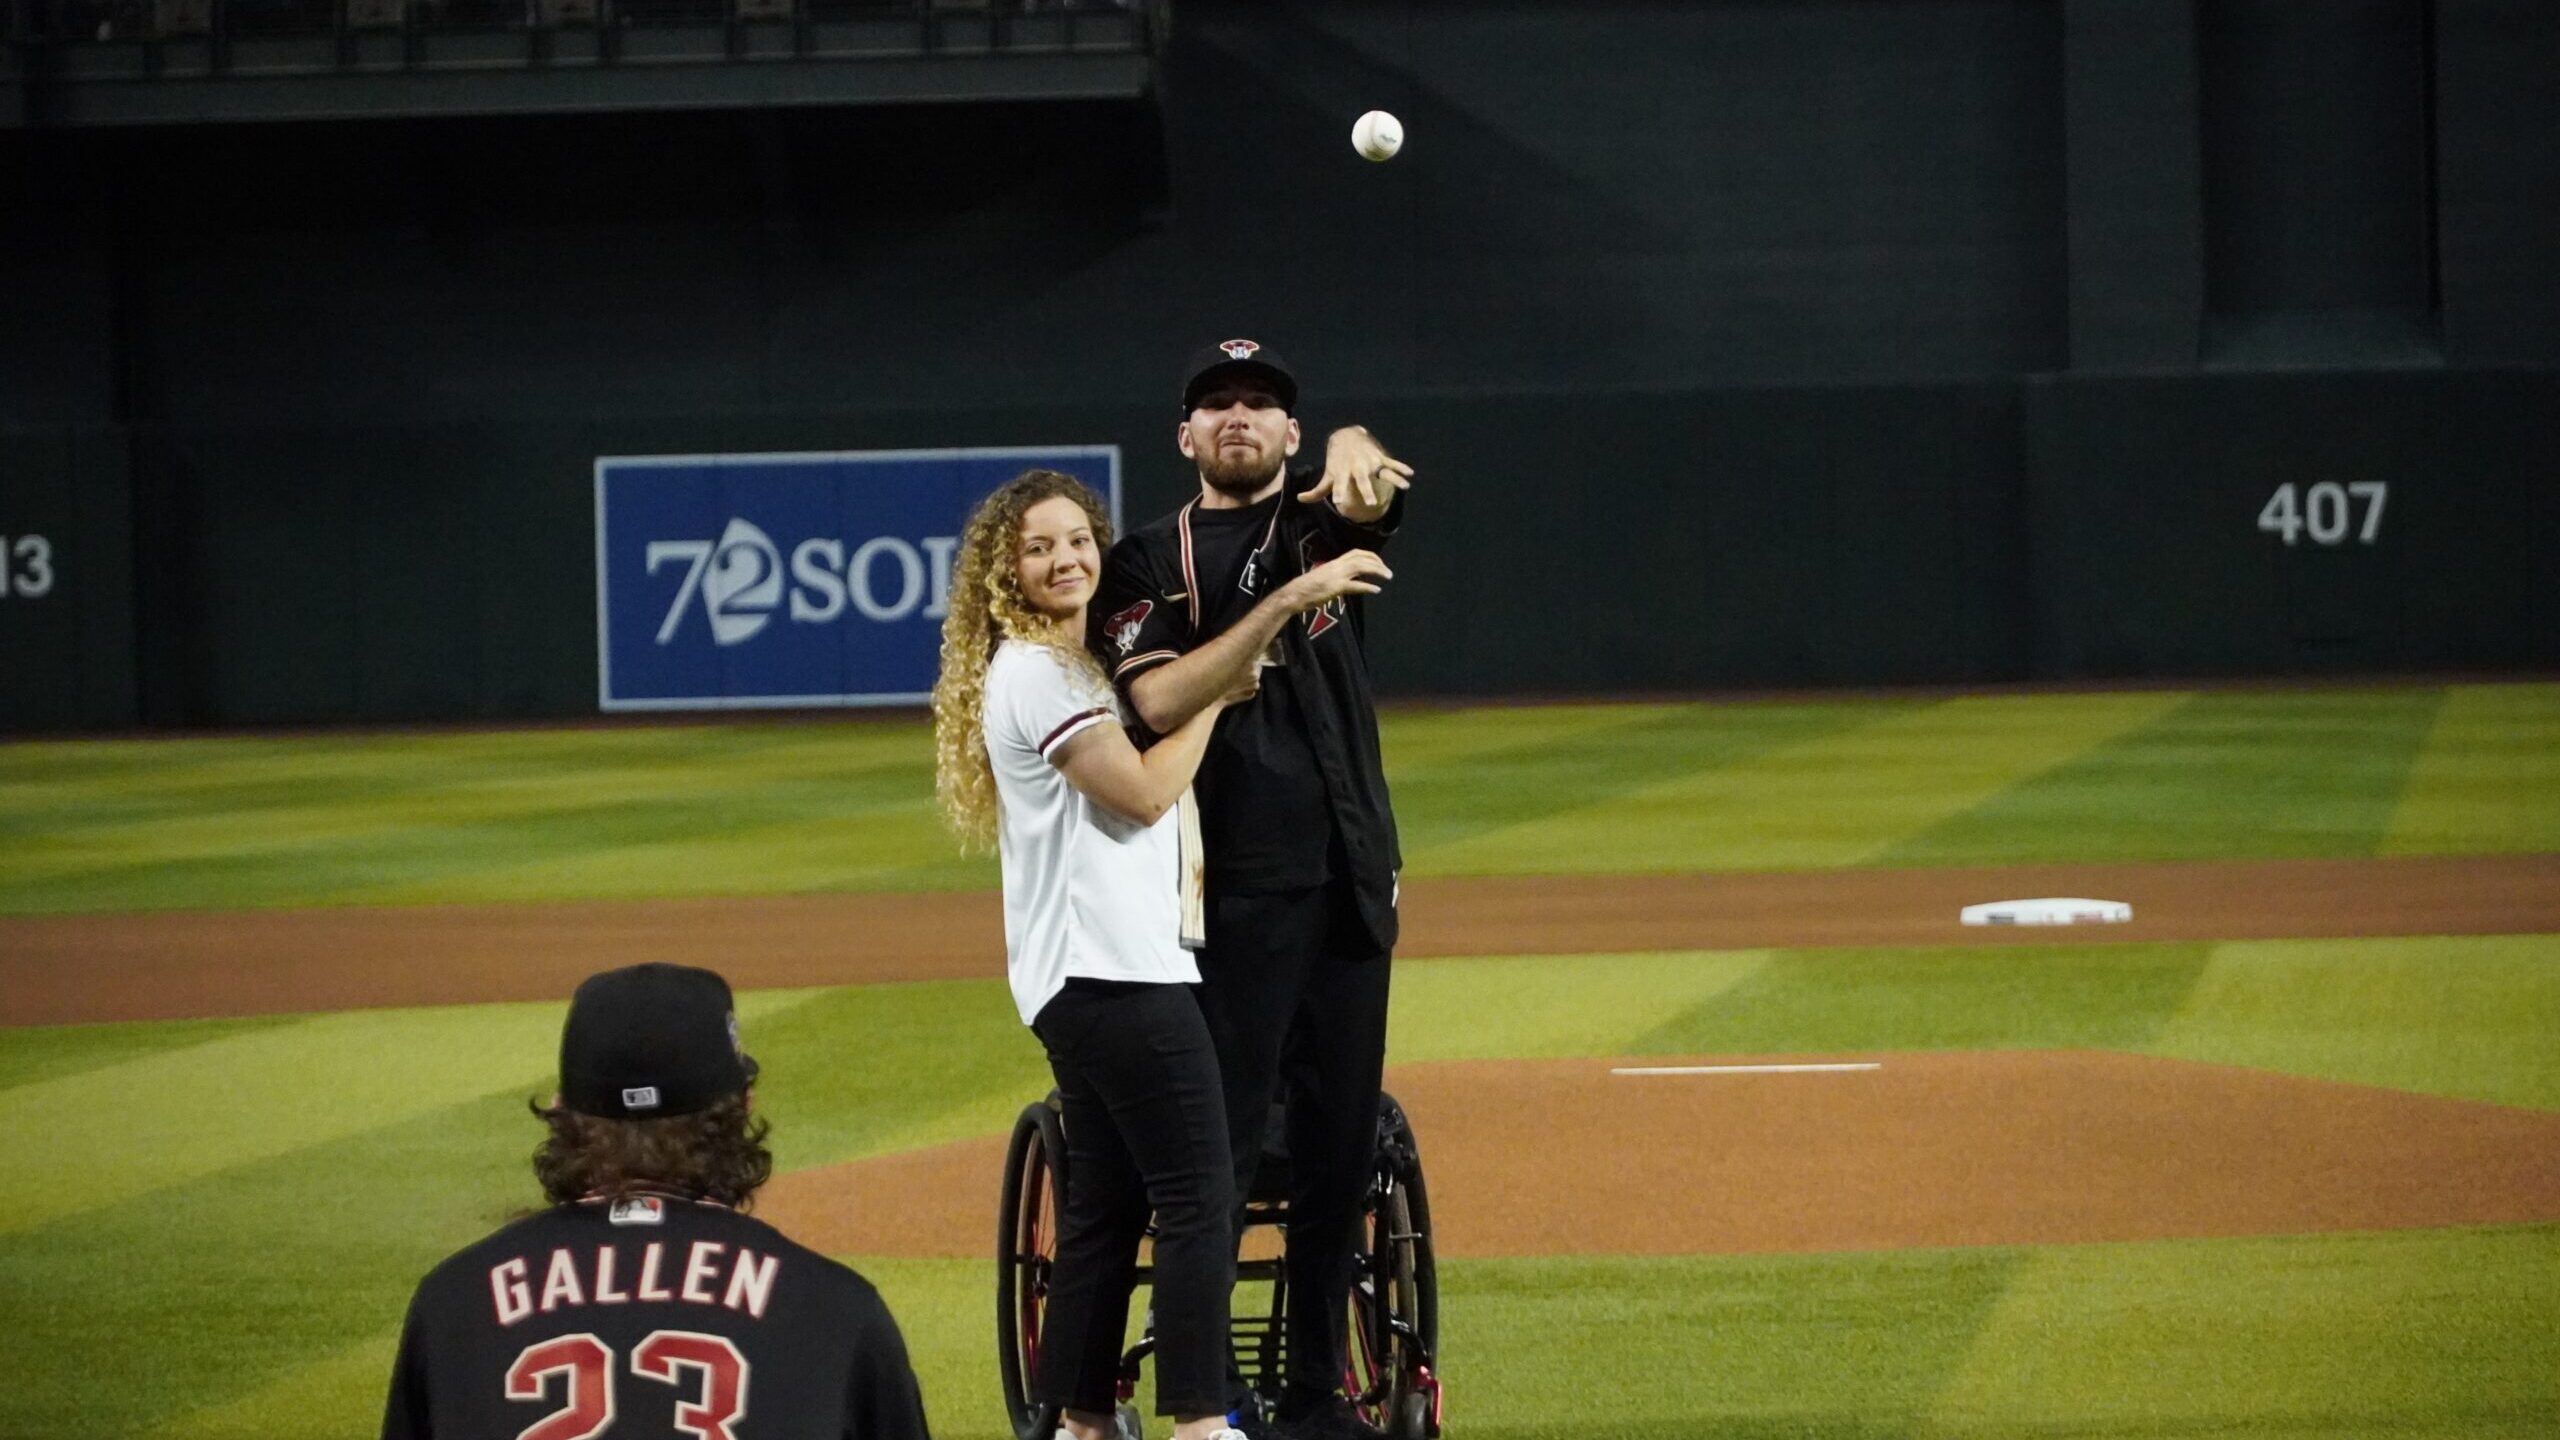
(65, 969)
(2012, 1147)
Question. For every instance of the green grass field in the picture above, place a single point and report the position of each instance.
(210, 1227)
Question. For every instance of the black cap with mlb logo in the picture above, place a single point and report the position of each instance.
(648, 1041)
(1238, 360)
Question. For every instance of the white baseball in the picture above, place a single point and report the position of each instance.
(1377, 135)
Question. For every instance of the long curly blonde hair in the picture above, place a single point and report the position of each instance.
(987, 609)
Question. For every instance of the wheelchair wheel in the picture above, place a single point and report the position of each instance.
(1395, 1302)
(1035, 1181)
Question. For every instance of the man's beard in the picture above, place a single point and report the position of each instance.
(1239, 478)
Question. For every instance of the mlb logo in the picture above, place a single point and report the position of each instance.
(639, 1210)
(640, 1097)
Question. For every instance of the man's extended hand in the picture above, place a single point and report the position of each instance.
(1360, 477)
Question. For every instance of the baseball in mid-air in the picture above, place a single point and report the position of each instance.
(1377, 135)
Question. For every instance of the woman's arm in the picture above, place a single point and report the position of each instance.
(1101, 763)
(1167, 695)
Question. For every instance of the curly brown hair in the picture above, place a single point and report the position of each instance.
(713, 1154)
(987, 609)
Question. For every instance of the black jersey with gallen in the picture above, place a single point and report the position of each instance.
(1291, 790)
(649, 1318)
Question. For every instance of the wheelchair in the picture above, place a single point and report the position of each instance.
(1389, 1374)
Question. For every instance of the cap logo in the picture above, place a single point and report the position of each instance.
(1239, 349)
(734, 1042)
(640, 1097)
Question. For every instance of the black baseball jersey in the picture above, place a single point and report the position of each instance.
(1291, 790)
(649, 1318)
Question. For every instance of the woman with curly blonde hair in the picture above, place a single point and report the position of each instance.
(1031, 753)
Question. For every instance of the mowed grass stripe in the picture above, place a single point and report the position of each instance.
(2218, 776)
(332, 1392)
(32, 1054)
(184, 1114)
(1527, 807)
(428, 852)
(1542, 1006)
(202, 1292)
(290, 804)
(2487, 778)
(160, 781)
(2470, 1017)
(2114, 997)
(1852, 1347)
(2442, 1333)
(757, 808)
(1416, 740)
(181, 767)
(897, 843)
(500, 769)
(1845, 796)
(864, 1069)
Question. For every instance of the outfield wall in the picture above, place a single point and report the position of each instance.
(2051, 529)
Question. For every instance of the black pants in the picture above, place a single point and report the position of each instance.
(1294, 986)
(1146, 1133)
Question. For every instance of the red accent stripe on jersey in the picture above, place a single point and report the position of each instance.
(1151, 657)
(1190, 582)
(1268, 531)
(1072, 722)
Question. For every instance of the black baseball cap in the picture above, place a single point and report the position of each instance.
(648, 1041)
(1237, 359)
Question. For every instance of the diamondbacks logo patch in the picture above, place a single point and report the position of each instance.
(1324, 617)
(638, 1210)
(1121, 630)
(1239, 349)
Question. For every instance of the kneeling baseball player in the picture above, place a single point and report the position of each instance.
(642, 1301)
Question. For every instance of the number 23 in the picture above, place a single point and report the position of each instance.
(587, 1401)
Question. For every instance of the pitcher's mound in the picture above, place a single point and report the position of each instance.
(1557, 1157)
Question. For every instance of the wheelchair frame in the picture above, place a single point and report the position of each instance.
(1389, 1374)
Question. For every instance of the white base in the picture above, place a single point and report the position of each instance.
(2051, 911)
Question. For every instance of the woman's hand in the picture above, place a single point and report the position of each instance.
(1247, 687)
(1353, 572)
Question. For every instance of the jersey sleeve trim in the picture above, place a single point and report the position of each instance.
(1135, 663)
(1073, 725)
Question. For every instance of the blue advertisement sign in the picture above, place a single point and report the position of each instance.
(743, 581)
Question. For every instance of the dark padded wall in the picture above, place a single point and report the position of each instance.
(2316, 164)
(1742, 342)
(2145, 497)
(1633, 193)
(2134, 211)
(2498, 180)
(66, 580)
